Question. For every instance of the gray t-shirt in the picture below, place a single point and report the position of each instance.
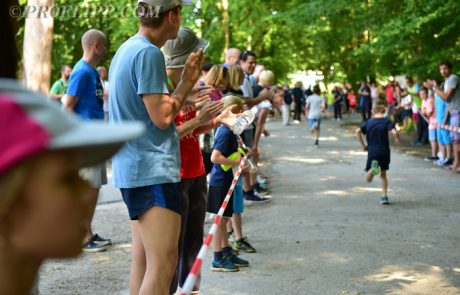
(315, 104)
(138, 68)
(454, 98)
(248, 92)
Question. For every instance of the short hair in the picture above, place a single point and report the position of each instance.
(245, 54)
(64, 67)
(410, 79)
(149, 18)
(378, 108)
(316, 89)
(447, 64)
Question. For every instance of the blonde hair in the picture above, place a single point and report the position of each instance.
(267, 78)
(379, 108)
(217, 76)
(235, 74)
(12, 183)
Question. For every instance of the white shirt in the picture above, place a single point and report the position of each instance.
(315, 104)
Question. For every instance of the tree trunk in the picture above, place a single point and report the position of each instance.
(38, 37)
(226, 24)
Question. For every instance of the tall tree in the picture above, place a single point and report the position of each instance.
(38, 40)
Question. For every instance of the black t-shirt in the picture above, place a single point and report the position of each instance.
(376, 131)
(298, 94)
(287, 97)
(308, 92)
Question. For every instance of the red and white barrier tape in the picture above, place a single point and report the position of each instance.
(196, 267)
(450, 128)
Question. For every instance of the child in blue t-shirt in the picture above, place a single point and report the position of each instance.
(378, 147)
(225, 144)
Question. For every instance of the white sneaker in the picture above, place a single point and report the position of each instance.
(441, 162)
(297, 122)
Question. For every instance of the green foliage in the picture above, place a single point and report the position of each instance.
(360, 38)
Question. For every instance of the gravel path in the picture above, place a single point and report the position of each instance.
(323, 233)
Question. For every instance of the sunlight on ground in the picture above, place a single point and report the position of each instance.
(335, 193)
(334, 258)
(357, 153)
(329, 138)
(301, 160)
(327, 178)
(412, 281)
(456, 269)
(366, 189)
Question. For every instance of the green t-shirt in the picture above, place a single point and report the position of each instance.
(59, 87)
(414, 90)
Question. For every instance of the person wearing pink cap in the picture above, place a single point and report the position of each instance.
(44, 204)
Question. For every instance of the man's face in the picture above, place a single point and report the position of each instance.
(176, 20)
(233, 57)
(101, 49)
(249, 65)
(445, 71)
(67, 72)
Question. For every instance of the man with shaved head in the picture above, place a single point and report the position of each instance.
(84, 96)
(232, 57)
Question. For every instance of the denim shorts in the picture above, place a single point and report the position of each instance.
(238, 199)
(432, 134)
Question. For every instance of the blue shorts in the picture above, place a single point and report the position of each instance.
(443, 136)
(312, 122)
(432, 134)
(238, 199)
(140, 199)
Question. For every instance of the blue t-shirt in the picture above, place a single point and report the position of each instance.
(441, 109)
(84, 83)
(376, 131)
(138, 68)
(225, 142)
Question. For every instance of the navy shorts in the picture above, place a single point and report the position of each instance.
(248, 137)
(216, 197)
(382, 158)
(140, 199)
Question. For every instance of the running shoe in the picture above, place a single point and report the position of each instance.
(244, 246)
(384, 201)
(238, 262)
(317, 143)
(92, 247)
(252, 198)
(261, 190)
(447, 163)
(431, 158)
(375, 168)
(224, 265)
(101, 241)
(440, 162)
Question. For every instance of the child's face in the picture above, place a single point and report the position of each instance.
(423, 95)
(48, 219)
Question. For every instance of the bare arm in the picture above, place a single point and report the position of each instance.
(218, 158)
(204, 118)
(444, 95)
(396, 135)
(70, 102)
(57, 97)
(359, 135)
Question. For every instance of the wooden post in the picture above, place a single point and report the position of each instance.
(38, 40)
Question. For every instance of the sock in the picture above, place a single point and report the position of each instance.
(218, 256)
(226, 251)
(249, 192)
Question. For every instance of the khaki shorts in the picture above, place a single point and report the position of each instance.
(95, 175)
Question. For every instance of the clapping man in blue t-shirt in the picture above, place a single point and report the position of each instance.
(147, 170)
(85, 97)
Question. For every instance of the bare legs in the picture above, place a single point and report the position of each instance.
(155, 240)
(383, 176)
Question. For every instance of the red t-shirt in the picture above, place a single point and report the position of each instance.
(390, 95)
(191, 159)
(192, 165)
